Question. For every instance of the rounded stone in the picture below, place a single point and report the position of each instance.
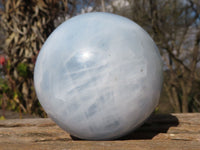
(98, 76)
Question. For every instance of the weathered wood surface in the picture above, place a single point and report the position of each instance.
(160, 132)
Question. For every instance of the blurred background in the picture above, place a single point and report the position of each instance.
(173, 24)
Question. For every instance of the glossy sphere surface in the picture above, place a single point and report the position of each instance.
(98, 76)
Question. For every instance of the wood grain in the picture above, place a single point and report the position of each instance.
(169, 131)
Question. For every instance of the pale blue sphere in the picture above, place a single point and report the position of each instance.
(98, 76)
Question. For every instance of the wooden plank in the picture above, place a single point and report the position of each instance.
(170, 131)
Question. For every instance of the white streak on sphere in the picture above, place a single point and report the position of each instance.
(98, 76)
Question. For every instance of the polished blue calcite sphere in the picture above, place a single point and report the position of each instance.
(98, 76)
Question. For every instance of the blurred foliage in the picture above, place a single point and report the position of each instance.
(22, 70)
(175, 27)
(2, 118)
(26, 25)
